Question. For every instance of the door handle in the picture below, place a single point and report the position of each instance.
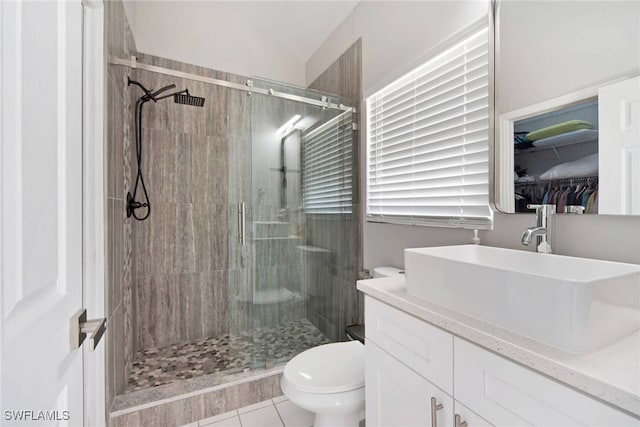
(80, 327)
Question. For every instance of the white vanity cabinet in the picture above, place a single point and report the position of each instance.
(409, 362)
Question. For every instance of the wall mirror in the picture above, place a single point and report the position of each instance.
(567, 105)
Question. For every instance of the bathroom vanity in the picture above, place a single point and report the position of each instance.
(429, 365)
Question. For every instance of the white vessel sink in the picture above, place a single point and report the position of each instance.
(575, 304)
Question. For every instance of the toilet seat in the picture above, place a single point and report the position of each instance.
(329, 368)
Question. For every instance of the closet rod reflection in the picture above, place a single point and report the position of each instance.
(580, 179)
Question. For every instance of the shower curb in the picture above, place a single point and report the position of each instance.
(190, 406)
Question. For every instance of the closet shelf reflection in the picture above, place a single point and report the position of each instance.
(563, 140)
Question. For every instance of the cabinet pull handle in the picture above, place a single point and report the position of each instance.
(435, 407)
(459, 422)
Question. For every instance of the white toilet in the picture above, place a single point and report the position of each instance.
(328, 380)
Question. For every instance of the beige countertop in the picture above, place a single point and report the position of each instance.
(611, 374)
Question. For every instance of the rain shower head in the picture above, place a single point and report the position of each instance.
(187, 99)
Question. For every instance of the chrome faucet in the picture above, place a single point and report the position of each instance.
(543, 231)
(528, 234)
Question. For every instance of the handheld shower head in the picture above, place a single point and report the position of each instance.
(155, 94)
(148, 94)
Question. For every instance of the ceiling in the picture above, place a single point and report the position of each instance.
(300, 26)
(273, 39)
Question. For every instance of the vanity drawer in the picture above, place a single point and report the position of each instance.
(507, 394)
(419, 345)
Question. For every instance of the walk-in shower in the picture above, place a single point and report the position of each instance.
(218, 290)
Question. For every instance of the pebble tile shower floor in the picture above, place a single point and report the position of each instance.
(273, 344)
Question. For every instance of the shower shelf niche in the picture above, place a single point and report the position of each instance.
(272, 229)
(272, 296)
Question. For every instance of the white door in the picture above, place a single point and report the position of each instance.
(619, 148)
(41, 211)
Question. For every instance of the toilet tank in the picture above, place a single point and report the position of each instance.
(386, 272)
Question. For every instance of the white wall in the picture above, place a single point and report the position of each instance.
(562, 52)
(397, 34)
(217, 36)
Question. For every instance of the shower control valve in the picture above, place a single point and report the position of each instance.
(132, 205)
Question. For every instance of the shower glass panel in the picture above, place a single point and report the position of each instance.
(300, 250)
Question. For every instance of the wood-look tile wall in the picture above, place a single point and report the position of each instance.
(181, 252)
(119, 140)
(337, 302)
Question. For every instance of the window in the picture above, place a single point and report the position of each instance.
(427, 141)
(327, 167)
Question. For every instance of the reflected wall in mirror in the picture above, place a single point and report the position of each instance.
(568, 106)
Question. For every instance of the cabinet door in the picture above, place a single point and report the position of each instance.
(506, 394)
(421, 346)
(398, 396)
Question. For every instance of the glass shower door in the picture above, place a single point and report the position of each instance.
(301, 197)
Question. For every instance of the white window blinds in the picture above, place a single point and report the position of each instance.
(427, 139)
(327, 165)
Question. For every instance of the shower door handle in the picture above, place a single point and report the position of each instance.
(242, 230)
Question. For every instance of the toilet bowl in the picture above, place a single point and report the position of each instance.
(328, 380)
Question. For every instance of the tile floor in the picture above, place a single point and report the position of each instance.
(278, 412)
(276, 344)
